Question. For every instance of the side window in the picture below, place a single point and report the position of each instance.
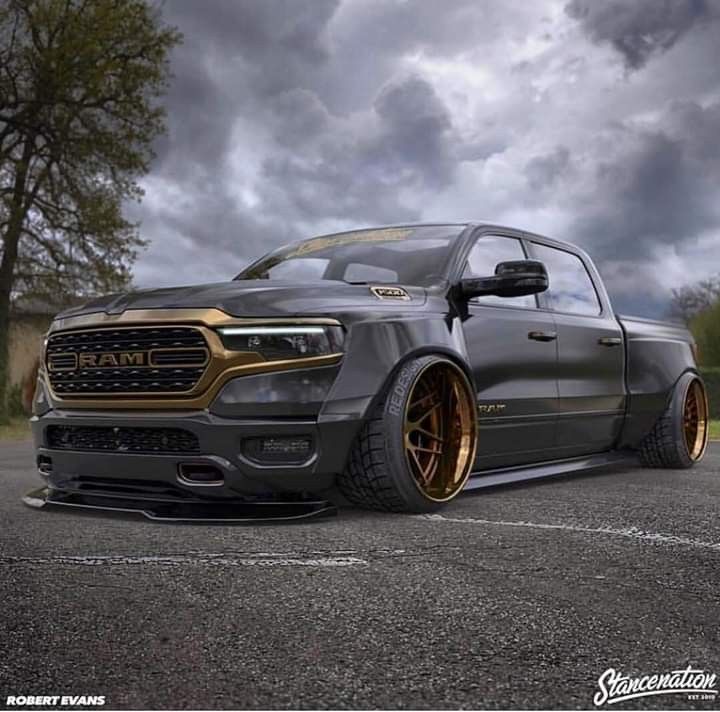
(571, 289)
(484, 256)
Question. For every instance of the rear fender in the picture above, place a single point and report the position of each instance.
(658, 355)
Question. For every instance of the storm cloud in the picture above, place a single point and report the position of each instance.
(594, 122)
(637, 29)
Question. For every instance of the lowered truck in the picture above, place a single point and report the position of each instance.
(392, 367)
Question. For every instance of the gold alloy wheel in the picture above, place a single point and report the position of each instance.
(695, 420)
(440, 430)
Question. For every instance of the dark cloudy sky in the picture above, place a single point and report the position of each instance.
(594, 121)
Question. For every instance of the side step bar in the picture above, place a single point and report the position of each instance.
(508, 475)
(238, 511)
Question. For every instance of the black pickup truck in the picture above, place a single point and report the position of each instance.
(393, 366)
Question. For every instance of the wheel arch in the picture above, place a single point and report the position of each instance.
(396, 463)
(679, 438)
(645, 410)
(420, 352)
(658, 356)
(376, 351)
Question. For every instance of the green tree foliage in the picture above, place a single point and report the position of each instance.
(688, 301)
(711, 376)
(706, 330)
(80, 86)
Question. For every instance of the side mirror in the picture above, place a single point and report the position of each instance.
(512, 279)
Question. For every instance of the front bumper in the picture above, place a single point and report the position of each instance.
(151, 477)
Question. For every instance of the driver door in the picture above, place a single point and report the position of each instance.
(512, 347)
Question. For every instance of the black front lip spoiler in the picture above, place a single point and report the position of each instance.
(225, 511)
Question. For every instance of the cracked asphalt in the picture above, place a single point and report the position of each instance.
(513, 598)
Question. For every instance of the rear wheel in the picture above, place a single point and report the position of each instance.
(679, 438)
(416, 451)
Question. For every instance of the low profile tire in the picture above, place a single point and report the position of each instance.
(679, 438)
(416, 451)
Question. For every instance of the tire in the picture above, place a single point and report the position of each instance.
(679, 438)
(416, 451)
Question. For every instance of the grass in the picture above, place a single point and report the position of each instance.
(15, 429)
(715, 430)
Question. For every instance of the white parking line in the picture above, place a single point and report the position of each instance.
(630, 533)
(264, 560)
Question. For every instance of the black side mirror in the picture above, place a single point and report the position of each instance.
(512, 279)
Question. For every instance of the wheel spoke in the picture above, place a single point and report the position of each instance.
(426, 415)
(428, 434)
(420, 448)
(420, 400)
(440, 430)
(426, 470)
(417, 462)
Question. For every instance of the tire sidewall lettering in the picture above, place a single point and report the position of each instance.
(398, 396)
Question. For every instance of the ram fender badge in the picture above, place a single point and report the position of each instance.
(390, 293)
(491, 408)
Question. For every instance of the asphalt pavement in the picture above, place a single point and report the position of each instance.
(518, 597)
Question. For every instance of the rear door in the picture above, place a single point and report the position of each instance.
(591, 353)
(513, 352)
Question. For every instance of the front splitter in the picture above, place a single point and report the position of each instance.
(231, 511)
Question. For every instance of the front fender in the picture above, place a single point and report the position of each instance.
(376, 349)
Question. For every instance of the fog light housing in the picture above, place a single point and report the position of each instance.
(279, 450)
(44, 465)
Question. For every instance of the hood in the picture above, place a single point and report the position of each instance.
(254, 298)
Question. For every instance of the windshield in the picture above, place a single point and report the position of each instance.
(403, 255)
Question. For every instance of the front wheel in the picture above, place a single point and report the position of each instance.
(679, 438)
(416, 452)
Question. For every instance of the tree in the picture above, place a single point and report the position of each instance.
(705, 327)
(689, 301)
(80, 84)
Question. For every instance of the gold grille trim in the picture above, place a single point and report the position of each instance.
(222, 366)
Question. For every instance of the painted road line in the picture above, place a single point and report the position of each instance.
(184, 560)
(629, 533)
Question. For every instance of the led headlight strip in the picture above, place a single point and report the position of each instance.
(278, 342)
(270, 330)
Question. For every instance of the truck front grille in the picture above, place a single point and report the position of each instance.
(110, 439)
(132, 360)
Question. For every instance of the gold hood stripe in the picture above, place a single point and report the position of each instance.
(160, 317)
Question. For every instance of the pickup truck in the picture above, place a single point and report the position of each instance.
(390, 367)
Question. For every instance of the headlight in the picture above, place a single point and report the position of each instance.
(278, 343)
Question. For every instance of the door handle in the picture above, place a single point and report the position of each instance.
(542, 335)
(610, 341)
